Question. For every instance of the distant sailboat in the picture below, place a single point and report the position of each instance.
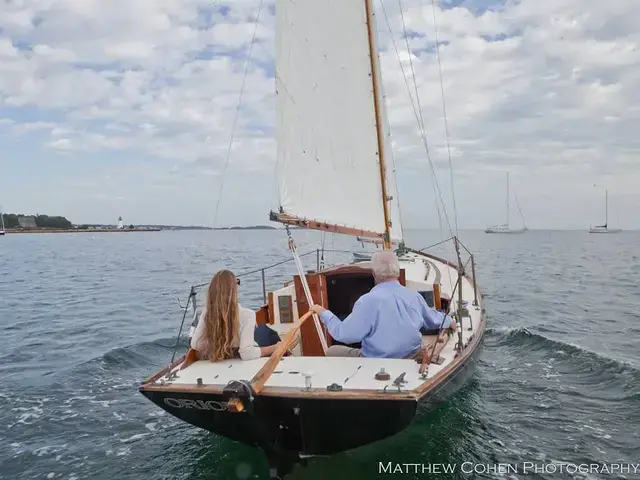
(605, 228)
(2, 232)
(505, 228)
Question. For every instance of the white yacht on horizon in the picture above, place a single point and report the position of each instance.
(505, 227)
(605, 228)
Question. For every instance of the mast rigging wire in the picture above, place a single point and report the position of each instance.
(444, 113)
(419, 106)
(237, 113)
(417, 115)
(420, 120)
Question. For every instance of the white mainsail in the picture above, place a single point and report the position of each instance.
(328, 162)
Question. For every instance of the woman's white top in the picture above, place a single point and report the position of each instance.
(244, 342)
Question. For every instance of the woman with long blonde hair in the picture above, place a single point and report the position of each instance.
(226, 329)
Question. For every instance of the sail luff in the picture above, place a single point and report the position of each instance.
(373, 54)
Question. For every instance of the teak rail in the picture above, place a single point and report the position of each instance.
(260, 378)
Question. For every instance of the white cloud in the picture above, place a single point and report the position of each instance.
(553, 94)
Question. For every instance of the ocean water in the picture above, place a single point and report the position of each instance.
(84, 317)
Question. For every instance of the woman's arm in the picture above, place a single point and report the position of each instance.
(267, 351)
(198, 332)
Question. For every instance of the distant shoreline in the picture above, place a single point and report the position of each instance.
(78, 230)
(141, 228)
(250, 227)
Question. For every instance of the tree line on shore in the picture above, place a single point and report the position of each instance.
(41, 221)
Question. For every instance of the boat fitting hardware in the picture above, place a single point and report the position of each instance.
(235, 405)
(400, 380)
(239, 389)
(384, 390)
(307, 380)
(438, 360)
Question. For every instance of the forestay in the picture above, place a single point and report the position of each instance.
(328, 164)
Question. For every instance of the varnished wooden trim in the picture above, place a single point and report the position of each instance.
(190, 358)
(272, 311)
(317, 225)
(346, 269)
(354, 394)
(373, 58)
(292, 392)
(311, 344)
(262, 315)
(437, 299)
(182, 388)
(260, 378)
(164, 371)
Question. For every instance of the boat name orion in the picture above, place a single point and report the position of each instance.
(197, 404)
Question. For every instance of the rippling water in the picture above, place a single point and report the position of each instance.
(83, 318)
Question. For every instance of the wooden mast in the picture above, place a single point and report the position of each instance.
(373, 55)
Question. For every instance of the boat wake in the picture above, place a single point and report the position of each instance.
(145, 353)
(532, 341)
(589, 373)
(94, 400)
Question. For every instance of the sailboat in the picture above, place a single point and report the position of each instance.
(505, 227)
(334, 175)
(605, 228)
(366, 255)
(2, 230)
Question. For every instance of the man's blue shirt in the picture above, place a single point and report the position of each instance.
(387, 321)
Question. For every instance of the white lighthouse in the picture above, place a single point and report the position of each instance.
(120, 225)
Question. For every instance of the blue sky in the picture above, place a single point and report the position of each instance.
(120, 108)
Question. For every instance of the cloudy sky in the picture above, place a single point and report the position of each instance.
(124, 107)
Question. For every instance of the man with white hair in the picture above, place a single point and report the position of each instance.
(387, 320)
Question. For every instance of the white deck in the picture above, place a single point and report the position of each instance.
(352, 373)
